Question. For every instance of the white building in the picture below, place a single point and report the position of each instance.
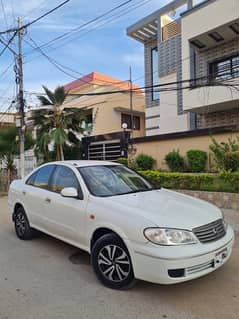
(196, 41)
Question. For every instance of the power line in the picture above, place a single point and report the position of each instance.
(34, 9)
(35, 20)
(59, 66)
(62, 68)
(8, 43)
(85, 24)
(4, 13)
(113, 17)
(5, 71)
(164, 87)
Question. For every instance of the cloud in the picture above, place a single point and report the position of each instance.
(106, 49)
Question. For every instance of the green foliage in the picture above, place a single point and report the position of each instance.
(175, 161)
(9, 145)
(73, 151)
(223, 182)
(122, 160)
(9, 148)
(220, 149)
(196, 160)
(144, 161)
(58, 126)
(231, 161)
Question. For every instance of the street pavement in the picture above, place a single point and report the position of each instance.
(47, 279)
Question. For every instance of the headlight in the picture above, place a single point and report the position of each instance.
(225, 224)
(170, 237)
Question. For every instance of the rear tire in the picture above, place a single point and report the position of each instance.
(22, 226)
(112, 263)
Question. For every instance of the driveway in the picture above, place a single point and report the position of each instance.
(47, 279)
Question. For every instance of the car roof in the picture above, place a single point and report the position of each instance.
(81, 163)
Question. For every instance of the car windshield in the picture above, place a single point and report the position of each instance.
(112, 180)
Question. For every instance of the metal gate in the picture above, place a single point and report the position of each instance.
(107, 150)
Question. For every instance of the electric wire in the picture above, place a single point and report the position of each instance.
(63, 68)
(35, 20)
(84, 24)
(112, 17)
(8, 43)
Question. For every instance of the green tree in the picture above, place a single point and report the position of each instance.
(9, 148)
(56, 125)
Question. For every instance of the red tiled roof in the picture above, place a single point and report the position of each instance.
(98, 78)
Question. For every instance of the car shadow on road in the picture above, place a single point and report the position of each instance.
(221, 280)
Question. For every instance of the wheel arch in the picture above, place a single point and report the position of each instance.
(101, 231)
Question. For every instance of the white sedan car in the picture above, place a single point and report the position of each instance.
(132, 230)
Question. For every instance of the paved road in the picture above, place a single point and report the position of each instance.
(47, 279)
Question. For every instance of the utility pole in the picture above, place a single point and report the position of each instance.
(20, 99)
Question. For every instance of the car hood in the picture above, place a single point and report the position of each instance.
(167, 208)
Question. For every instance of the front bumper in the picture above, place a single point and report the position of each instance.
(153, 263)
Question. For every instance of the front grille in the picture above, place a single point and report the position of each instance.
(210, 232)
(199, 268)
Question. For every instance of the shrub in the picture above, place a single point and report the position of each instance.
(220, 149)
(175, 161)
(196, 160)
(122, 160)
(144, 162)
(231, 161)
(223, 182)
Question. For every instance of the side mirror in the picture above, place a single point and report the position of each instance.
(69, 192)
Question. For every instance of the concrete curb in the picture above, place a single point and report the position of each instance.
(222, 200)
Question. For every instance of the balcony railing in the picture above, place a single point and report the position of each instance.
(170, 30)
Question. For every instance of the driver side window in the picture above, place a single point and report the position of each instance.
(63, 177)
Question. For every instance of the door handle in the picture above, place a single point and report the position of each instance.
(24, 192)
(48, 200)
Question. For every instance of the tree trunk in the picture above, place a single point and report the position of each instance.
(9, 177)
(61, 152)
(58, 153)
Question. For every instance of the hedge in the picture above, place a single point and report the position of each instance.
(223, 182)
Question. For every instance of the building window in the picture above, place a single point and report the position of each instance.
(155, 73)
(126, 118)
(224, 69)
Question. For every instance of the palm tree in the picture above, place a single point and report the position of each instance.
(55, 124)
(9, 148)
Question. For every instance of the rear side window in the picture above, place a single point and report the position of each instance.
(31, 179)
(42, 176)
(63, 177)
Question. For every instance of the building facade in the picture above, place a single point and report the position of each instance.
(7, 119)
(192, 48)
(107, 104)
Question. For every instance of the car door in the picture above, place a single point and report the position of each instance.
(66, 216)
(35, 193)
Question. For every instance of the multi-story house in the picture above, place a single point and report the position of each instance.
(194, 45)
(7, 119)
(107, 103)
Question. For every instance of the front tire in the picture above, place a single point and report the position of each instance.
(112, 263)
(22, 226)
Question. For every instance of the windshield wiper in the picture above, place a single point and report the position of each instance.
(132, 192)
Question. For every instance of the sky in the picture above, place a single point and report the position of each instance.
(102, 46)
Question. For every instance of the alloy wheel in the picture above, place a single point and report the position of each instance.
(114, 263)
(20, 223)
